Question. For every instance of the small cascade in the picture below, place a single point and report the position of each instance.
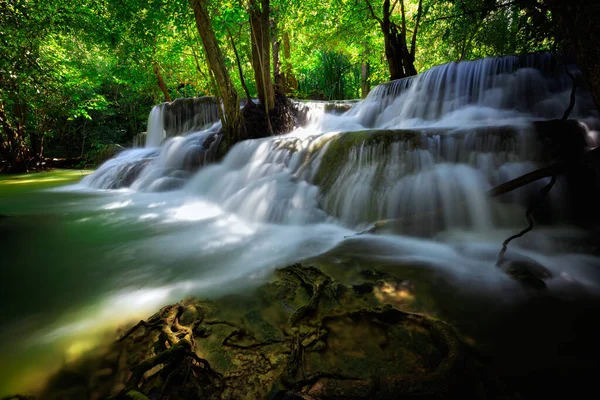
(156, 128)
(488, 90)
(180, 117)
(310, 112)
(181, 136)
(426, 180)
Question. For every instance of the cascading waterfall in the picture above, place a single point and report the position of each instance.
(417, 157)
(427, 149)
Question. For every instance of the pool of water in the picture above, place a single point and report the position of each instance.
(76, 264)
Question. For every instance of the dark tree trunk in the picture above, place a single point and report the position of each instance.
(578, 21)
(394, 51)
(232, 120)
(161, 82)
(291, 83)
(261, 51)
(400, 58)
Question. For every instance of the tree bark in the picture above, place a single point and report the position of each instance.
(276, 46)
(291, 83)
(261, 52)
(161, 82)
(232, 119)
(364, 80)
(578, 21)
(399, 57)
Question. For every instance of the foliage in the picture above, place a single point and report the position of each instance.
(75, 76)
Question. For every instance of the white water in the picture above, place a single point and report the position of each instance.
(229, 224)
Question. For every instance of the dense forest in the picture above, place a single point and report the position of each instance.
(76, 78)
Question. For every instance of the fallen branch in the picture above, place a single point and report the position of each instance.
(503, 188)
(545, 190)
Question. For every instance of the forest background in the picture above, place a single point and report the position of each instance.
(79, 77)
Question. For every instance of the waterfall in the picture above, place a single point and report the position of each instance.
(181, 136)
(414, 161)
(156, 130)
(422, 151)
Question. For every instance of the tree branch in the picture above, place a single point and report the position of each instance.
(403, 20)
(414, 37)
(471, 12)
(375, 17)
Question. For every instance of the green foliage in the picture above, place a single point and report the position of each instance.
(78, 75)
(333, 78)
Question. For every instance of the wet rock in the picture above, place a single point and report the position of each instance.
(528, 272)
(303, 335)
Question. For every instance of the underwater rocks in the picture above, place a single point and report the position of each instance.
(303, 336)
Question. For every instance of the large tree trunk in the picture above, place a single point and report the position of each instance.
(401, 59)
(232, 120)
(261, 51)
(578, 20)
(393, 46)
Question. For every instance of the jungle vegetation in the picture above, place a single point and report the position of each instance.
(78, 76)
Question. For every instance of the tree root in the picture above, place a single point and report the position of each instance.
(545, 190)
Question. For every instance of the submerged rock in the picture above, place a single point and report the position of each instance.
(303, 335)
(528, 272)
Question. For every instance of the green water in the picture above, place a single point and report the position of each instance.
(76, 264)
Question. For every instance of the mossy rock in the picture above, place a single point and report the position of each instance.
(302, 334)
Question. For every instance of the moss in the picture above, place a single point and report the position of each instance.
(253, 347)
(135, 395)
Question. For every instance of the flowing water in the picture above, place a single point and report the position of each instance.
(162, 222)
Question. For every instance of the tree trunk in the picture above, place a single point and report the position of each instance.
(261, 52)
(161, 82)
(400, 58)
(291, 83)
(13, 147)
(392, 43)
(578, 21)
(276, 45)
(364, 80)
(232, 120)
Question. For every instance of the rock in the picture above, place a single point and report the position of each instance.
(303, 335)
(528, 272)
